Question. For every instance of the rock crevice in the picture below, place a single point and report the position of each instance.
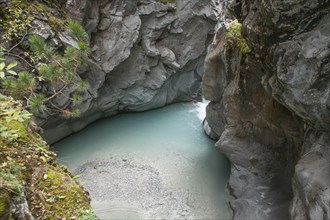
(269, 107)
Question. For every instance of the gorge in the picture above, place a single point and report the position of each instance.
(145, 54)
(173, 173)
(263, 66)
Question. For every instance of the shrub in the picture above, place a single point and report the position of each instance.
(52, 68)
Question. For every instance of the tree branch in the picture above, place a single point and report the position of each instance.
(16, 45)
(59, 91)
(18, 56)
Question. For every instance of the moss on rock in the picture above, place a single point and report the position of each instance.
(4, 205)
(59, 194)
(27, 164)
(234, 37)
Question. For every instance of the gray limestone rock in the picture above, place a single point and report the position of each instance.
(21, 210)
(168, 57)
(116, 38)
(145, 54)
(256, 133)
(43, 29)
(311, 179)
(67, 39)
(303, 73)
(271, 109)
(208, 131)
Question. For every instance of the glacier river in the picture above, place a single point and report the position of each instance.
(157, 164)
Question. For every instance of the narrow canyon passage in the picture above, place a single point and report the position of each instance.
(156, 164)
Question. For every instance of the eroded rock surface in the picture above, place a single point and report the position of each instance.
(270, 107)
(311, 179)
(146, 54)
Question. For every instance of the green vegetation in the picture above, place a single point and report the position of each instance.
(234, 37)
(7, 69)
(9, 182)
(54, 70)
(27, 165)
(15, 21)
(87, 215)
(16, 17)
(4, 204)
(39, 75)
(49, 72)
(64, 193)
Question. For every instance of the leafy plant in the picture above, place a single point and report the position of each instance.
(55, 71)
(7, 133)
(8, 116)
(9, 182)
(52, 193)
(22, 86)
(7, 68)
(14, 21)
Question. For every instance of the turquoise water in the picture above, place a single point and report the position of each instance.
(165, 149)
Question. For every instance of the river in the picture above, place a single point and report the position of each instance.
(157, 164)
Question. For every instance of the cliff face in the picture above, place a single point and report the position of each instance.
(270, 106)
(145, 54)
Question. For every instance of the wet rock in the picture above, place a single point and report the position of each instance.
(209, 131)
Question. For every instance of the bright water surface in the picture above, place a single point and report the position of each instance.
(162, 165)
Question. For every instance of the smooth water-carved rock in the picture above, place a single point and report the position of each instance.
(145, 54)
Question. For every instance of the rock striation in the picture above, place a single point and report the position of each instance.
(145, 54)
(270, 106)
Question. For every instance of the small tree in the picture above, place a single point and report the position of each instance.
(52, 68)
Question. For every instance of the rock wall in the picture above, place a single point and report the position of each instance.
(145, 54)
(270, 107)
